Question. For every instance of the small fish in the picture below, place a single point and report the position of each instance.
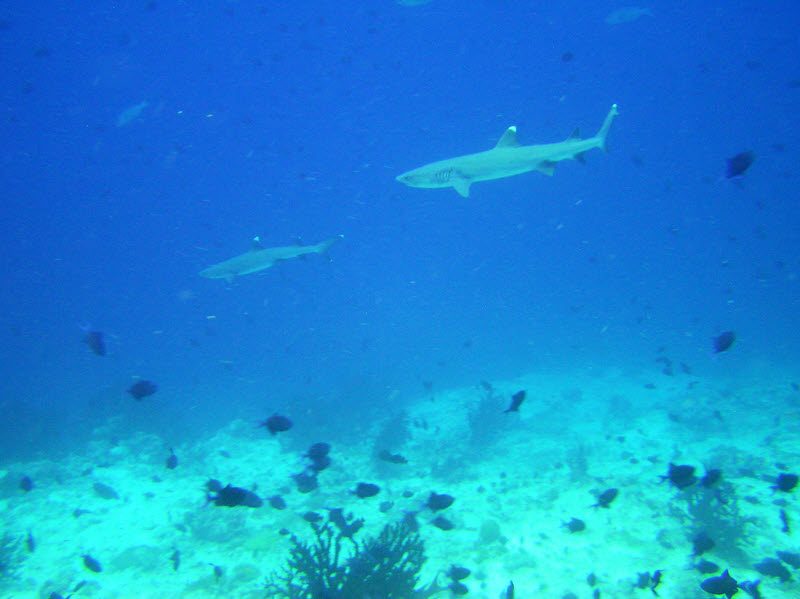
(720, 585)
(738, 165)
(459, 589)
(591, 579)
(78, 512)
(365, 490)
(234, 497)
(94, 339)
(25, 483)
(575, 525)
(439, 501)
(458, 573)
(724, 341)
(680, 476)
(305, 482)
(606, 497)
(516, 402)
(711, 478)
(786, 528)
(175, 558)
(392, 458)
(142, 389)
(172, 460)
(655, 581)
(785, 482)
(701, 543)
(773, 567)
(509, 594)
(385, 506)
(104, 491)
(213, 485)
(318, 451)
(442, 523)
(91, 564)
(218, 572)
(277, 424)
(30, 543)
(277, 502)
(706, 567)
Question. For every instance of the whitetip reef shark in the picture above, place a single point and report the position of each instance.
(507, 158)
(259, 258)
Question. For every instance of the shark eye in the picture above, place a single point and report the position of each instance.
(444, 176)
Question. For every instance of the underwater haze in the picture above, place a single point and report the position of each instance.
(146, 141)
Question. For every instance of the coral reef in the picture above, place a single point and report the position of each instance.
(336, 566)
(10, 557)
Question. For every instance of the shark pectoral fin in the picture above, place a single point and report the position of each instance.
(461, 185)
(580, 157)
(508, 139)
(547, 167)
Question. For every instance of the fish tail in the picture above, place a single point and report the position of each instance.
(603, 133)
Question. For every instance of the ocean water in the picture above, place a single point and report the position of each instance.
(148, 140)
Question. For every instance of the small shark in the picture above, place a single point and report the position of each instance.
(259, 258)
(507, 158)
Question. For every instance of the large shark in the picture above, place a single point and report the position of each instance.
(259, 258)
(507, 158)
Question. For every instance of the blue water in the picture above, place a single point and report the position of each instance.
(287, 119)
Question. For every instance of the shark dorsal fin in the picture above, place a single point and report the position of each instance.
(508, 139)
(575, 134)
(256, 245)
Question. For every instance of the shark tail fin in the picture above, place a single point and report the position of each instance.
(325, 246)
(603, 133)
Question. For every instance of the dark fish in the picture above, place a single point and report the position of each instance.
(320, 464)
(277, 502)
(30, 543)
(78, 512)
(706, 567)
(711, 478)
(509, 594)
(567, 56)
(785, 482)
(277, 424)
(392, 458)
(642, 580)
(172, 460)
(720, 585)
(104, 491)
(458, 589)
(312, 517)
(385, 506)
(94, 339)
(213, 485)
(91, 564)
(575, 525)
(606, 497)
(751, 588)
(680, 476)
(305, 482)
(318, 451)
(738, 165)
(516, 402)
(234, 497)
(793, 559)
(773, 567)
(25, 483)
(701, 543)
(348, 529)
(458, 573)
(142, 389)
(218, 571)
(591, 579)
(439, 501)
(175, 558)
(442, 523)
(724, 341)
(365, 490)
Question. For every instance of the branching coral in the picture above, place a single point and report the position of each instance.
(336, 566)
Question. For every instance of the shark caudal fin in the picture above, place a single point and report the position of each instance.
(323, 247)
(603, 133)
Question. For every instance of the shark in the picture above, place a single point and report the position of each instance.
(507, 158)
(260, 258)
